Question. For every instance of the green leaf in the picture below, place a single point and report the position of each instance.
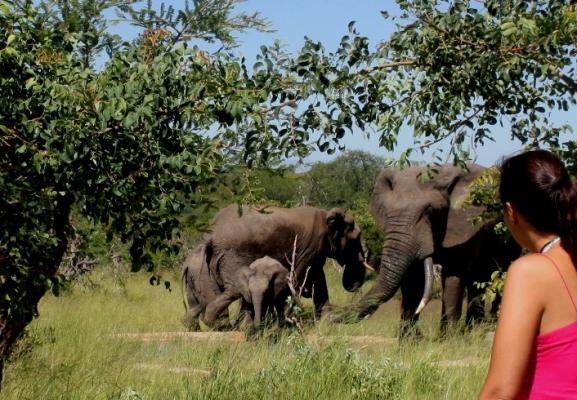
(9, 51)
(4, 8)
(121, 106)
(351, 26)
(30, 82)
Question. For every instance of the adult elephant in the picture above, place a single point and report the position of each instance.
(426, 222)
(238, 235)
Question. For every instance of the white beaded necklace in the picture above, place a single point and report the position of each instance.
(549, 244)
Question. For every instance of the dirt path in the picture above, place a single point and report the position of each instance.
(358, 342)
(238, 337)
(177, 370)
(233, 337)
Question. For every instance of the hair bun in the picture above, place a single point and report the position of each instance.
(563, 181)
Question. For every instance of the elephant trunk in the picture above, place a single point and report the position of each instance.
(396, 258)
(257, 299)
(427, 293)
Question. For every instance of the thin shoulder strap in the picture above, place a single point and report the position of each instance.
(563, 279)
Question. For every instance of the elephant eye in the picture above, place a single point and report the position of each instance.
(428, 210)
(388, 183)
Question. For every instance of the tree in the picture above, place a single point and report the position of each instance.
(346, 180)
(126, 147)
(281, 186)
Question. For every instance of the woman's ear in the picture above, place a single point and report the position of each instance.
(510, 213)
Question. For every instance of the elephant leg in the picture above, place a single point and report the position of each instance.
(245, 316)
(275, 312)
(217, 309)
(268, 311)
(411, 293)
(190, 318)
(194, 309)
(320, 292)
(452, 301)
(280, 305)
(475, 305)
(495, 305)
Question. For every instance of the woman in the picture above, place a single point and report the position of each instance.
(534, 352)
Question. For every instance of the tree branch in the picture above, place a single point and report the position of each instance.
(391, 64)
(281, 105)
(451, 130)
(516, 49)
(571, 84)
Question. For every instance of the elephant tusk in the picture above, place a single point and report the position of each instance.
(367, 266)
(427, 293)
(422, 305)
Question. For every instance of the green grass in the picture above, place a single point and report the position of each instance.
(68, 353)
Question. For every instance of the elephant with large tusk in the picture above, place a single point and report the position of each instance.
(426, 222)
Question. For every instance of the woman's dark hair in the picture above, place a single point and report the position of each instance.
(537, 185)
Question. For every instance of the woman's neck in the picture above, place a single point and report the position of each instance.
(529, 237)
(538, 242)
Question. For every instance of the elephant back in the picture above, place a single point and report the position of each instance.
(254, 232)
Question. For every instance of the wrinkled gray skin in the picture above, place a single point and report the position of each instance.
(426, 221)
(200, 286)
(264, 284)
(237, 236)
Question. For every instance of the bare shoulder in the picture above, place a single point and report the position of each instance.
(528, 268)
(528, 274)
(529, 261)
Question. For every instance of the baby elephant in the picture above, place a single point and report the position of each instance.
(261, 285)
(264, 284)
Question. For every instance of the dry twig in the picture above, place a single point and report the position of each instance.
(295, 305)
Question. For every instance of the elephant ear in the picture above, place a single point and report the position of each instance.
(335, 221)
(340, 226)
(383, 185)
(459, 220)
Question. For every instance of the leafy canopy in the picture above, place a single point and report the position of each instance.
(128, 146)
(345, 181)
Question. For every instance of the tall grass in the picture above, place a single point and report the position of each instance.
(69, 353)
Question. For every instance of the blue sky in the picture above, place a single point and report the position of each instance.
(326, 21)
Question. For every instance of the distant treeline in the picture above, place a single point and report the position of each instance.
(345, 182)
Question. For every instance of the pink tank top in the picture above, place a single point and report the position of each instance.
(554, 369)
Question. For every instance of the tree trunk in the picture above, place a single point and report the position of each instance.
(12, 326)
(10, 330)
